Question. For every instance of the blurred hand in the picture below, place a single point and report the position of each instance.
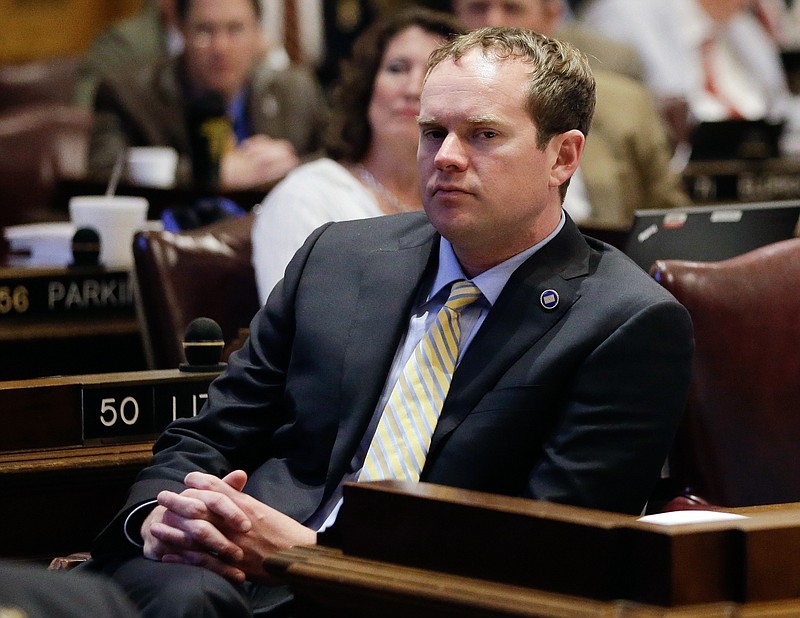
(257, 161)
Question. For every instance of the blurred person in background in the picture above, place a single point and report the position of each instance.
(717, 55)
(603, 52)
(154, 32)
(371, 167)
(272, 118)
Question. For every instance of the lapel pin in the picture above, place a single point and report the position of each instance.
(549, 299)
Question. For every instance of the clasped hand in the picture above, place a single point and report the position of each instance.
(213, 524)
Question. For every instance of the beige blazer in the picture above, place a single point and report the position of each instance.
(625, 165)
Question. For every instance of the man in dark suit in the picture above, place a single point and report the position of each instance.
(573, 364)
(259, 121)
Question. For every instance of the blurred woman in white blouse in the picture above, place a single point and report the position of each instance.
(371, 166)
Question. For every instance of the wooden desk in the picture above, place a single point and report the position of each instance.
(327, 582)
(55, 501)
(61, 480)
(423, 550)
(57, 321)
(743, 181)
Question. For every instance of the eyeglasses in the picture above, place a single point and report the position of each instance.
(204, 34)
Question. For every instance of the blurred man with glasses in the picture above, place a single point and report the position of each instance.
(263, 120)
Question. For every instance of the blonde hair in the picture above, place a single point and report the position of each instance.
(561, 89)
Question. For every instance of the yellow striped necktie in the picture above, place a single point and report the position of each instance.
(401, 441)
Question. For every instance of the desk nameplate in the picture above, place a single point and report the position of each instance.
(120, 412)
(37, 293)
(96, 409)
(742, 181)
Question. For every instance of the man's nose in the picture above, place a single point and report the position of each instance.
(451, 153)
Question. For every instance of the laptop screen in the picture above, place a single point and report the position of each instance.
(709, 233)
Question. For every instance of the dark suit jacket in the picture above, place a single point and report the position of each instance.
(577, 404)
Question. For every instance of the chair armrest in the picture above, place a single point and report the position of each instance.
(65, 563)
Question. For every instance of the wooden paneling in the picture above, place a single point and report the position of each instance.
(327, 582)
(56, 501)
(35, 29)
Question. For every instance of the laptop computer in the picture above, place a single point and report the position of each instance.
(709, 233)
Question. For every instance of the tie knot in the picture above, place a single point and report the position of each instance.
(462, 294)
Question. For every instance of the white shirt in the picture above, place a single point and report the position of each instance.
(310, 196)
(576, 201)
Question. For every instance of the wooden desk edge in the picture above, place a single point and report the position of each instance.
(319, 572)
(132, 377)
(66, 329)
(77, 457)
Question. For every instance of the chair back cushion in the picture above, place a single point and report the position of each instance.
(202, 273)
(39, 145)
(739, 442)
(48, 80)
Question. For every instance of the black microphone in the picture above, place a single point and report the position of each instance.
(210, 131)
(202, 346)
(85, 247)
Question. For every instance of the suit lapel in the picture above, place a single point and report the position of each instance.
(515, 323)
(394, 272)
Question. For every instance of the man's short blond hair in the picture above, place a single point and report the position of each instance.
(561, 89)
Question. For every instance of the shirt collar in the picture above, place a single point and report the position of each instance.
(490, 282)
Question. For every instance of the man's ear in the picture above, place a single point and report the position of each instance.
(568, 148)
